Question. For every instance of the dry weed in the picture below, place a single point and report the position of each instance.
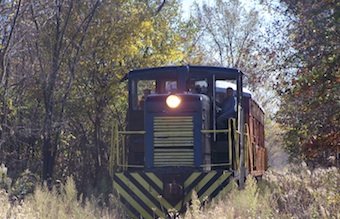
(304, 193)
(63, 204)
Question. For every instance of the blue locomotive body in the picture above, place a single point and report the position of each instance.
(172, 145)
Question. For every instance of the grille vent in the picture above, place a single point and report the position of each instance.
(173, 141)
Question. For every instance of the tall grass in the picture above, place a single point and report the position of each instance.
(45, 204)
(303, 193)
(297, 192)
(252, 202)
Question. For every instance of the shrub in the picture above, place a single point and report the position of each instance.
(5, 182)
(24, 185)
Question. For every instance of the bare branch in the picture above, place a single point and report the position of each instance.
(160, 7)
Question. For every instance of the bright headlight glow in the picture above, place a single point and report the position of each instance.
(173, 101)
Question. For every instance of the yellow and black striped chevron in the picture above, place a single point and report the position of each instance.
(154, 194)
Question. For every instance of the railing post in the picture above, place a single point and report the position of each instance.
(113, 164)
(112, 149)
(123, 154)
(237, 147)
(116, 139)
(240, 126)
(230, 126)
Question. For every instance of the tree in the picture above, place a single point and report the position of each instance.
(17, 142)
(39, 59)
(123, 36)
(64, 63)
(277, 157)
(60, 47)
(233, 35)
(311, 98)
(9, 17)
(240, 35)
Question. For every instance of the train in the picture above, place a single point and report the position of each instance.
(172, 145)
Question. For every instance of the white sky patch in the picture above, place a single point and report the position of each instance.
(248, 4)
(186, 5)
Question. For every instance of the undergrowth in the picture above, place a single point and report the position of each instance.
(297, 192)
(303, 193)
(58, 203)
(252, 202)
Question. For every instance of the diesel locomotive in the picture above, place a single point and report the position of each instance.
(172, 145)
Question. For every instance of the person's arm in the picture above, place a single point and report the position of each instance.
(230, 107)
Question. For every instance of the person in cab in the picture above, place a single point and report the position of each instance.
(228, 108)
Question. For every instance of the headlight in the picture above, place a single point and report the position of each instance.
(173, 101)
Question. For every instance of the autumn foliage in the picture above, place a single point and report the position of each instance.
(311, 97)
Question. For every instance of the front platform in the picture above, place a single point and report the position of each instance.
(156, 194)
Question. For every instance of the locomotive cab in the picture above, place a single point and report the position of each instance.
(173, 135)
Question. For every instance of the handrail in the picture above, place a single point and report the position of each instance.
(112, 158)
(131, 132)
(115, 159)
(249, 155)
(231, 123)
(237, 148)
(118, 159)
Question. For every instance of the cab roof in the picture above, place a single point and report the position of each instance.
(187, 71)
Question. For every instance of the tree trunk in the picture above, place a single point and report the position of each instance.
(48, 149)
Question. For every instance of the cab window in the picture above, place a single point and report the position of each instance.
(142, 89)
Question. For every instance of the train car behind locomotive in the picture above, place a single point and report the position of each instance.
(173, 144)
